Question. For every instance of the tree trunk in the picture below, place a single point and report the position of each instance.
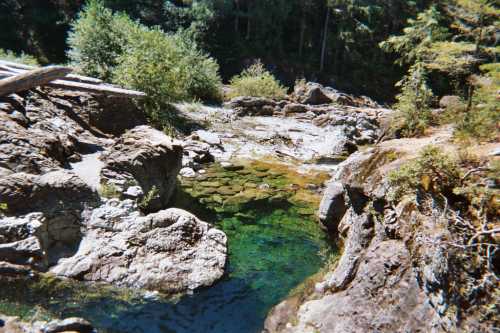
(31, 79)
(302, 33)
(237, 17)
(325, 35)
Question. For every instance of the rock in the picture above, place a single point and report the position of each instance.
(51, 193)
(495, 152)
(170, 251)
(312, 94)
(19, 118)
(187, 172)
(208, 137)
(332, 207)
(61, 200)
(252, 106)
(69, 324)
(133, 192)
(114, 115)
(147, 158)
(450, 102)
(294, 108)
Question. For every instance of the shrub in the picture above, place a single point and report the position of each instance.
(482, 120)
(96, 40)
(168, 68)
(22, 58)
(256, 81)
(432, 171)
(413, 103)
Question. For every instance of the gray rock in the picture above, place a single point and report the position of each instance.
(147, 158)
(208, 137)
(332, 207)
(187, 172)
(169, 251)
(69, 324)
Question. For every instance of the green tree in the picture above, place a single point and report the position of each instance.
(96, 40)
(417, 37)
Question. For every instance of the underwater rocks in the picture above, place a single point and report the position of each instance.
(147, 158)
(170, 251)
(15, 325)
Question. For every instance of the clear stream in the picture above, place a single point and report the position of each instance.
(274, 245)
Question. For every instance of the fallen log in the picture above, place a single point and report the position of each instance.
(70, 81)
(8, 67)
(97, 89)
(32, 78)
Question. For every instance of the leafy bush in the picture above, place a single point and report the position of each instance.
(256, 81)
(96, 40)
(22, 58)
(413, 103)
(482, 120)
(168, 68)
(432, 171)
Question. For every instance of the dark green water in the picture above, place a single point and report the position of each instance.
(273, 247)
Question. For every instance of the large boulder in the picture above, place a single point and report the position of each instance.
(44, 217)
(170, 251)
(311, 93)
(147, 158)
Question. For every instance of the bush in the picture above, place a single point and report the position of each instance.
(413, 103)
(432, 171)
(168, 68)
(22, 58)
(256, 81)
(482, 120)
(96, 40)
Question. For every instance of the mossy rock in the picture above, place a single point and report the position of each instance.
(305, 198)
(261, 168)
(210, 184)
(227, 190)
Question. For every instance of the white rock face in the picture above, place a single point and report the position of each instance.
(170, 251)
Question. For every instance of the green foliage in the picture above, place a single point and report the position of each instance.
(22, 58)
(152, 194)
(256, 81)
(417, 37)
(96, 40)
(109, 190)
(482, 120)
(167, 67)
(413, 103)
(432, 171)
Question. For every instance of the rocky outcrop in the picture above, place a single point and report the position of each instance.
(52, 217)
(170, 251)
(147, 158)
(396, 269)
(315, 94)
(14, 325)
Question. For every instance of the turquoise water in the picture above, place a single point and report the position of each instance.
(272, 249)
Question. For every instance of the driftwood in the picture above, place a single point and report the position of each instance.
(69, 82)
(31, 79)
(98, 89)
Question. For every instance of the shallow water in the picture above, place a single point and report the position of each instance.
(273, 247)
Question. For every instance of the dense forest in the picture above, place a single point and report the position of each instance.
(409, 52)
(334, 42)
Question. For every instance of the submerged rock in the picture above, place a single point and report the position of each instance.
(170, 251)
(15, 325)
